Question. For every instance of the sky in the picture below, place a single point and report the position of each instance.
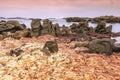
(58, 8)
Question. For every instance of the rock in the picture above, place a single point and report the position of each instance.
(76, 19)
(7, 34)
(101, 27)
(24, 26)
(91, 30)
(102, 46)
(1, 37)
(36, 27)
(99, 46)
(46, 26)
(23, 33)
(108, 19)
(52, 46)
(73, 27)
(84, 25)
(83, 44)
(10, 26)
(17, 25)
(109, 29)
(56, 29)
(13, 22)
(65, 31)
(16, 52)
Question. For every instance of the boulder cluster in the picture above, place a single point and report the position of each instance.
(79, 32)
(14, 29)
(108, 19)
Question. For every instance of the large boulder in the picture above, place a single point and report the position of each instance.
(7, 34)
(22, 33)
(101, 27)
(109, 29)
(73, 27)
(47, 26)
(99, 45)
(36, 27)
(56, 29)
(10, 26)
(50, 47)
(17, 25)
(84, 25)
(65, 31)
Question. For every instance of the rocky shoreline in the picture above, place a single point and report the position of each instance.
(50, 52)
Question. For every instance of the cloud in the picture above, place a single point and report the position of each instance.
(58, 7)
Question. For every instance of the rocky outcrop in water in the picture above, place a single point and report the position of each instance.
(65, 31)
(108, 19)
(102, 29)
(36, 27)
(76, 19)
(51, 29)
(10, 26)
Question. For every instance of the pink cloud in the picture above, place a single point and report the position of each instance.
(57, 7)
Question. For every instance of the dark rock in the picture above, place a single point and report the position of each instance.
(109, 29)
(7, 34)
(102, 46)
(65, 31)
(76, 19)
(108, 19)
(17, 25)
(1, 37)
(47, 26)
(56, 29)
(101, 27)
(16, 52)
(10, 26)
(36, 27)
(52, 46)
(99, 45)
(23, 33)
(73, 27)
